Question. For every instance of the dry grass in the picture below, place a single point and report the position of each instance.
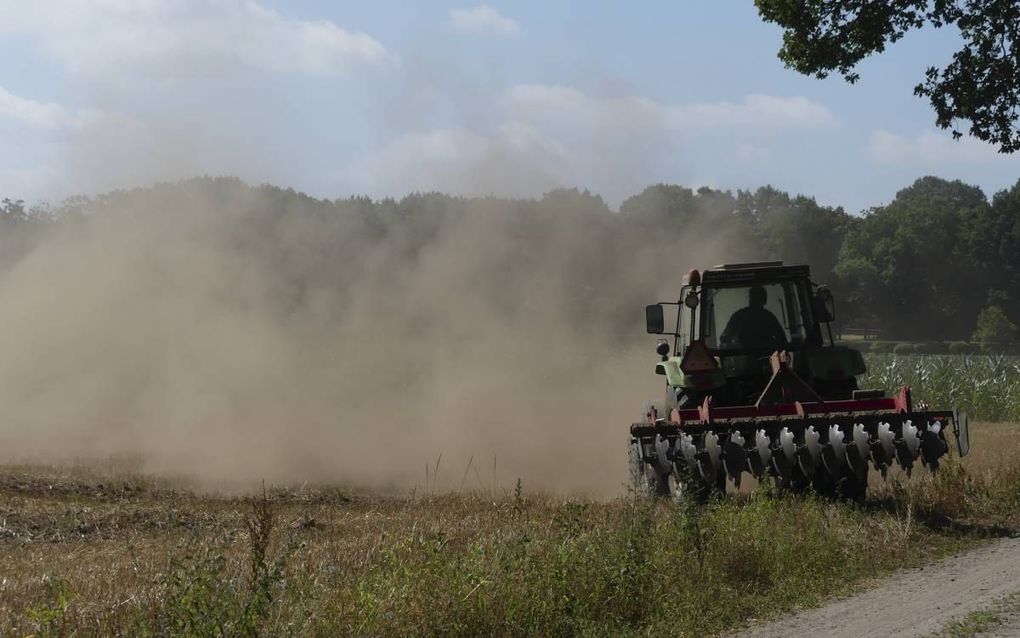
(87, 551)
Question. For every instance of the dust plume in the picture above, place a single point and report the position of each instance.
(231, 334)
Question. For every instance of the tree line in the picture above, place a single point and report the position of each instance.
(939, 262)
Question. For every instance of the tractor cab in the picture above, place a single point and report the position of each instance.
(731, 318)
(752, 308)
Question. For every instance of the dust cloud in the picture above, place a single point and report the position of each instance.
(233, 334)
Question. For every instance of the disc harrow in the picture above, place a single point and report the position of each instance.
(839, 440)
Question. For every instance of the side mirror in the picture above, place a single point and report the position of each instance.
(825, 305)
(654, 321)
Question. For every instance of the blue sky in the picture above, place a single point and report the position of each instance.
(512, 98)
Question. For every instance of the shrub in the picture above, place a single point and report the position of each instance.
(860, 346)
(931, 347)
(903, 348)
(881, 347)
(994, 331)
(961, 347)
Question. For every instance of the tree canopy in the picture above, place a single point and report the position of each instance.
(981, 85)
(924, 266)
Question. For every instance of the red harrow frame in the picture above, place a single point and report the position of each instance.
(781, 435)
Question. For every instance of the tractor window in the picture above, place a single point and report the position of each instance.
(767, 316)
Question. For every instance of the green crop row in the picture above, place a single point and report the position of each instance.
(985, 386)
(930, 347)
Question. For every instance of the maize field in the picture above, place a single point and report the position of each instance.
(985, 386)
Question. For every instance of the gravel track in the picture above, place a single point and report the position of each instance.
(913, 602)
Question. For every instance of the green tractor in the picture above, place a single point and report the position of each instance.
(756, 384)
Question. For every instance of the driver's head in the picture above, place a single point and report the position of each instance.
(757, 297)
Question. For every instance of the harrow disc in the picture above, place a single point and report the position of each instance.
(808, 452)
(709, 458)
(759, 457)
(734, 457)
(832, 452)
(908, 446)
(857, 452)
(933, 446)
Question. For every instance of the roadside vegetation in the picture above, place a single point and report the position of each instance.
(101, 551)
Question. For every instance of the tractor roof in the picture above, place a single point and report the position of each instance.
(759, 272)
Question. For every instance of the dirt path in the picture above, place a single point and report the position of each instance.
(914, 602)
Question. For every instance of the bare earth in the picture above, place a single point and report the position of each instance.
(914, 602)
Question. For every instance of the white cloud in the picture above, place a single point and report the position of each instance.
(753, 155)
(107, 38)
(567, 105)
(41, 115)
(549, 136)
(160, 89)
(515, 159)
(36, 136)
(928, 149)
(53, 151)
(764, 111)
(483, 20)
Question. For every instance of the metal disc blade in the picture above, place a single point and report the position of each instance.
(879, 457)
(734, 459)
(756, 465)
(857, 460)
(904, 456)
(713, 450)
(886, 436)
(784, 444)
(831, 461)
(759, 454)
(806, 461)
(705, 467)
(781, 466)
(932, 448)
(837, 444)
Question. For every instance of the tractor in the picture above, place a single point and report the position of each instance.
(756, 384)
